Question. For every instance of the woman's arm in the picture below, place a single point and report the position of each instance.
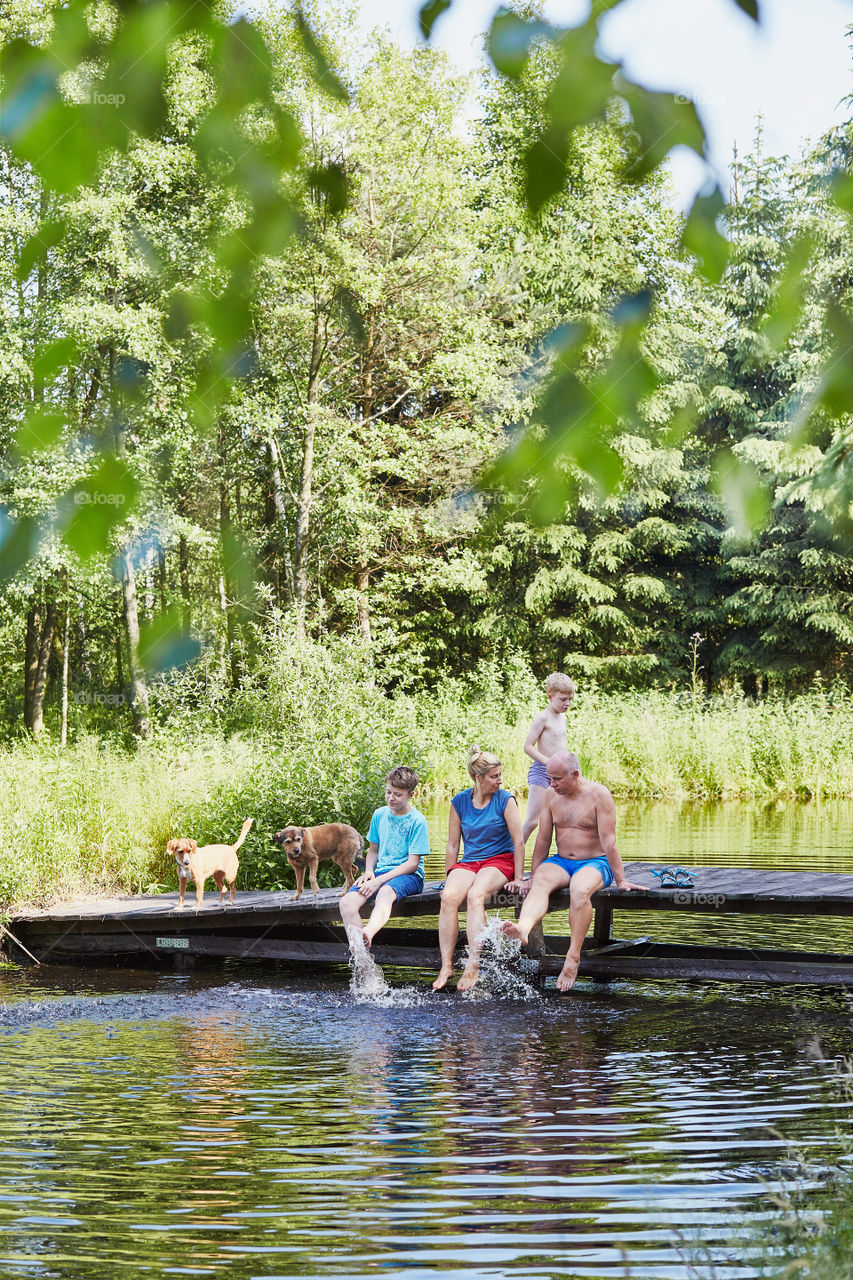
(454, 835)
(512, 818)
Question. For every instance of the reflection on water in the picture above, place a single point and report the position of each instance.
(255, 1121)
(274, 1126)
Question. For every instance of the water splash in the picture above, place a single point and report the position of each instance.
(368, 984)
(501, 964)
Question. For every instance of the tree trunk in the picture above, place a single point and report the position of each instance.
(37, 673)
(227, 592)
(149, 584)
(83, 643)
(306, 482)
(138, 690)
(362, 583)
(66, 641)
(31, 657)
(280, 507)
(138, 684)
(184, 573)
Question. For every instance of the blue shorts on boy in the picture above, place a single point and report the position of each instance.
(399, 837)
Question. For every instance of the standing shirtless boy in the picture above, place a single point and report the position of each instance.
(547, 736)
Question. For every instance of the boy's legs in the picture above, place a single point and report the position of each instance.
(453, 894)
(486, 882)
(351, 905)
(535, 796)
(381, 913)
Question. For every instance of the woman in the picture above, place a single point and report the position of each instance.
(487, 820)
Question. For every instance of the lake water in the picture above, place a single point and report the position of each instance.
(255, 1121)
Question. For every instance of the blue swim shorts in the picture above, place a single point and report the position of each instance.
(537, 774)
(403, 886)
(571, 865)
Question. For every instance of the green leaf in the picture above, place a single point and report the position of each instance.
(331, 182)
(429, 14)
(163, 643)
(55, 355)
(510, 39)
(318, 63)
(545, 168)
(750, 8)
(40, 430)
(743, 492)
(663, 121)
(787, 307)
(35, 250)
(96, 506)
(703, 238)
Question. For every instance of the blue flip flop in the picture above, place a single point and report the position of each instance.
(673, 877)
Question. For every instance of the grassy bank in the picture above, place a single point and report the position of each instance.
(313, 744)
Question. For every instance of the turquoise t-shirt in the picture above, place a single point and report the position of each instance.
(398, 837)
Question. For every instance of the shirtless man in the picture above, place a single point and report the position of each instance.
(584, 817)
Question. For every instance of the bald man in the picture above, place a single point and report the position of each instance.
(583, 815)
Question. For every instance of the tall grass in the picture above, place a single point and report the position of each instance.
(316, 741)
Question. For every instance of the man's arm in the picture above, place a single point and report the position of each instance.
(530, 748)
(605, 811)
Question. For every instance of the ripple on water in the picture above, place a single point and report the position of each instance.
(269, 1126)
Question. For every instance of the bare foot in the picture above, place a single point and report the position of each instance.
(470, 974)
(445, 972)
(368, 938)
(568, 973)
(511, 929)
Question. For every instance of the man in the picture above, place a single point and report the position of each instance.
(584, 817)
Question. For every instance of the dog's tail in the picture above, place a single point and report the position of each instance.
(244, 831)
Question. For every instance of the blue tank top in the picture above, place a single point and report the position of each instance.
(484, 831)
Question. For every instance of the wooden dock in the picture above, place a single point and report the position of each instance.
(272, 926)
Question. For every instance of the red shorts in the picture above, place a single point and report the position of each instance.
(504, 862)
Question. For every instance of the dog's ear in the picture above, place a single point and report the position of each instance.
(302, 832)
(194, 844)
(171, 846)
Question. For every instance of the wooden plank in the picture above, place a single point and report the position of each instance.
(716, 889)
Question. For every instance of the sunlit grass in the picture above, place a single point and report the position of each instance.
(316, 740)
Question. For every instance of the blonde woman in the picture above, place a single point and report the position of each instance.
(486, 819)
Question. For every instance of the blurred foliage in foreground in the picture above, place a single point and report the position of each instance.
(294, 340)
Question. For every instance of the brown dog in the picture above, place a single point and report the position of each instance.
(217, 860)
(308, 846)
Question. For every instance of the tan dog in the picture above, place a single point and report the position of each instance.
(308, 846)
(217, 860)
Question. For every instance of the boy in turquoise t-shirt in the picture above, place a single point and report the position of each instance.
(398, 843)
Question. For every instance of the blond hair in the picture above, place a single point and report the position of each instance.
(556, 682)
(480, 762)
